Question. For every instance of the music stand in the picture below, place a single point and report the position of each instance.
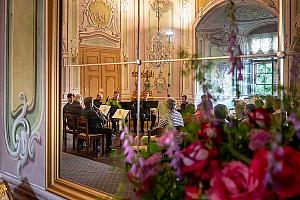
(121, 114)
(126, 105)
(149, 105)
(104, 109)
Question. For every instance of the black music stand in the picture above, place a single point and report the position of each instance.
(126, 105)
(149, 105)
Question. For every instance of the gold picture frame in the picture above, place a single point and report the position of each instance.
(5, 192)
(54, 183)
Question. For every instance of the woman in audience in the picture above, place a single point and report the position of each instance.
(204, 113)
(248, 109)
(239, 106)
(221, 113)
(269, 104)
(171, 117)
(76, 107)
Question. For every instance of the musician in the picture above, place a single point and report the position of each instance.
(114, 103)
(96, 122)
(98, 101)
(145, 113)
(66, 108)
(184, 103)
(76, 107)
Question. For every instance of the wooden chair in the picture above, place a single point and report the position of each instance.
(83, 134)
(69, 126)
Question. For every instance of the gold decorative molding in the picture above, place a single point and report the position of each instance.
(161, 6)
(54, 183)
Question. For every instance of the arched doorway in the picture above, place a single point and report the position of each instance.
(257, 34)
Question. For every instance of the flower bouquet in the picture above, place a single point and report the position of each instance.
(221, 160)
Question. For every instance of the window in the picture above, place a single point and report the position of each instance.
(260, 77)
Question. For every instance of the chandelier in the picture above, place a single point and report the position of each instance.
(159, 47)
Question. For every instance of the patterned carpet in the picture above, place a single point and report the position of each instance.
(99, 176)
(105, 173)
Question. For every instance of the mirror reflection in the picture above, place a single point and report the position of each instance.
(99, 88)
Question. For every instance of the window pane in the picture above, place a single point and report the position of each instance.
(269, 68)
(268, 78)
(260, 68)
(268, 90)
(260, 79)
(260, 89)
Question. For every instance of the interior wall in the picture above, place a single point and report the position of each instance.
(31, 183)
(177, 16)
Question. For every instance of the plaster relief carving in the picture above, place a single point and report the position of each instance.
(99, 14)
(100, 19)
(19, 143)
(252, 13)
(271, 4)
(23, 82)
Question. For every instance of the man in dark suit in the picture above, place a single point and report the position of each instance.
(145, 113)
(96, 122)
(184, 103)
(66, 108)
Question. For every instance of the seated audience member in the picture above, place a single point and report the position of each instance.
(98, 101)
(239, 106)
(204, 113)
(269, 104)
(190, 108)
(248, 109)
(221, 113)
(76, 107)
(114, 103)
(183, 104)
(66, 108)
(206, 103)
(145, 113)
(96, 122)
(259, 103)
(277, 111)
(171, 117)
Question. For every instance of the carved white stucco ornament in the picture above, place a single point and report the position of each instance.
(19, 142)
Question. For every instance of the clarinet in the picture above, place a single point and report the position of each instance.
(95, 108)
(107, 99)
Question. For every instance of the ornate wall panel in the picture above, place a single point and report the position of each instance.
(23, 92)
(100, 23)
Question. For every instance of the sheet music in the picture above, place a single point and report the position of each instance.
(120, 114)
(104, 109)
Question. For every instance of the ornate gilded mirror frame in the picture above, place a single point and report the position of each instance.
(54, 183)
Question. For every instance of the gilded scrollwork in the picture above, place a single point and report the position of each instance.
(161, 6)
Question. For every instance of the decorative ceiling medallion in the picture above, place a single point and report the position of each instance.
(161, 6)
(99, 14)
